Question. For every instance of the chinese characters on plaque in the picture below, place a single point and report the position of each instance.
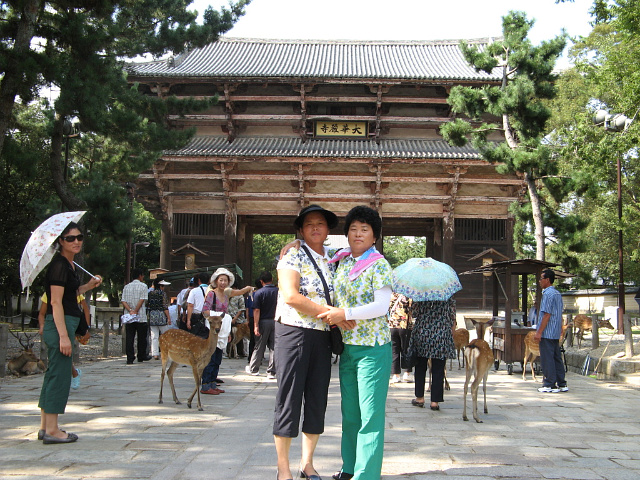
(340, 129)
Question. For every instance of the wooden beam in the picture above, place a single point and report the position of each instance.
(339, 176)
(322, 99)
(222, 118)
(347, 197)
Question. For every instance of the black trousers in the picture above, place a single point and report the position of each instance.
(399, 345)
(140, 329)
(252, 340)
(303, 363)
(437, 378)
(551, 363)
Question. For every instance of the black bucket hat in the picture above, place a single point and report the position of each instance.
(332, 219)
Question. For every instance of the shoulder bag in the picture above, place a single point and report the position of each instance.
(337, 345)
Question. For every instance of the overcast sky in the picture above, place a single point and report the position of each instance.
(401, 19)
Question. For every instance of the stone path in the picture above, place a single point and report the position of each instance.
(592, 432)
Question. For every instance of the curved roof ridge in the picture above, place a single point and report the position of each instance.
(311, 41)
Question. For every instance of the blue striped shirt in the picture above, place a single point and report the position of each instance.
(552, 304)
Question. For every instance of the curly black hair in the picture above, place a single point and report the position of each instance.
(365, 215)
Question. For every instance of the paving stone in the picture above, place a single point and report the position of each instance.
(590, 433)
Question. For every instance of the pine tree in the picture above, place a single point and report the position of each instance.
(527, 82)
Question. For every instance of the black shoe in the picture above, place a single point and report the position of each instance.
(42, 432)
(50, 439)
(342, 476)
(145, 359)
(416, 403)
(309, 477)
(130, 363)
(219, 380)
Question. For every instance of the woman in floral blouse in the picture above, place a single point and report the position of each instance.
(302, 341)
(362, 284)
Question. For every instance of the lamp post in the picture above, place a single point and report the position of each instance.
(138, 244)
(618, 123)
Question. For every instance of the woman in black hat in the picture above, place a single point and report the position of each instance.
(302, 341)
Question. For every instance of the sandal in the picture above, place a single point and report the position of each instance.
(416, 403)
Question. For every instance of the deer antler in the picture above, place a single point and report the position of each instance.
(28, 338)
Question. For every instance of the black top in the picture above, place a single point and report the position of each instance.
(62, 274)
(266, 300)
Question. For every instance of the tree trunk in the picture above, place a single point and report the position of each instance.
(70, 201)
(13, 74)
(536, 210)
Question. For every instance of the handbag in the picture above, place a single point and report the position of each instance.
(82, 328)
(337, 345)
(157, 318)
(130, 318)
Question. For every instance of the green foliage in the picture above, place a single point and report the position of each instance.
(80, 50)
(398, 250)
(520, 102)
(266, 251)
(605, 76)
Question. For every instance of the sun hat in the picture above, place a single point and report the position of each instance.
(332, 219)
(222, 271)
(164, 282)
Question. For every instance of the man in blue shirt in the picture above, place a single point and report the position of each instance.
(264, 312)
(548, 333)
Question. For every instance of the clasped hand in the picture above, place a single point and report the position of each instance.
(335, 316)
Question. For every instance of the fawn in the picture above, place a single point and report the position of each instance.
(583, 323)
(460, 341)
(532, 351)
(181, 347)
(240, 331)
(479, 359)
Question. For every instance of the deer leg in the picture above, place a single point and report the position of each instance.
(172, 368)
(196, 377)
(474, 396)
(466, 385)
(533, 370)
(446, 381)
(524, 363)
(164, 363)
(484, 389)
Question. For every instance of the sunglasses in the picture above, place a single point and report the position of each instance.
(73, 238)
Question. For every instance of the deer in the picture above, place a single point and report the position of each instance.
(240, 331)
(26, 363)
(479, 359)
(532, 350)
(23, 364)
(460, 341)
(583, 323)
(179, 347)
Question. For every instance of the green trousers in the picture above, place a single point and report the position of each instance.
(57, 378)
(364, 383)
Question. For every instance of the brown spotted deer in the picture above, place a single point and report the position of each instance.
(583, 323)
(460, 341)
(240, 331)
(179, 347)
(532, 351)
(479, 359)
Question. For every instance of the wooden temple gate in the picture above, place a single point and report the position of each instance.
(334, 123)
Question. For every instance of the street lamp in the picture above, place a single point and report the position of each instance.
(139, 244)
(618, 123)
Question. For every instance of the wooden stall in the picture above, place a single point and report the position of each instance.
(508, 332)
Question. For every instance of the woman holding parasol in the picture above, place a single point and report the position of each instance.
(62, 284)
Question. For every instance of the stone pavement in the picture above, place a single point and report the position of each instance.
(592, 432)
